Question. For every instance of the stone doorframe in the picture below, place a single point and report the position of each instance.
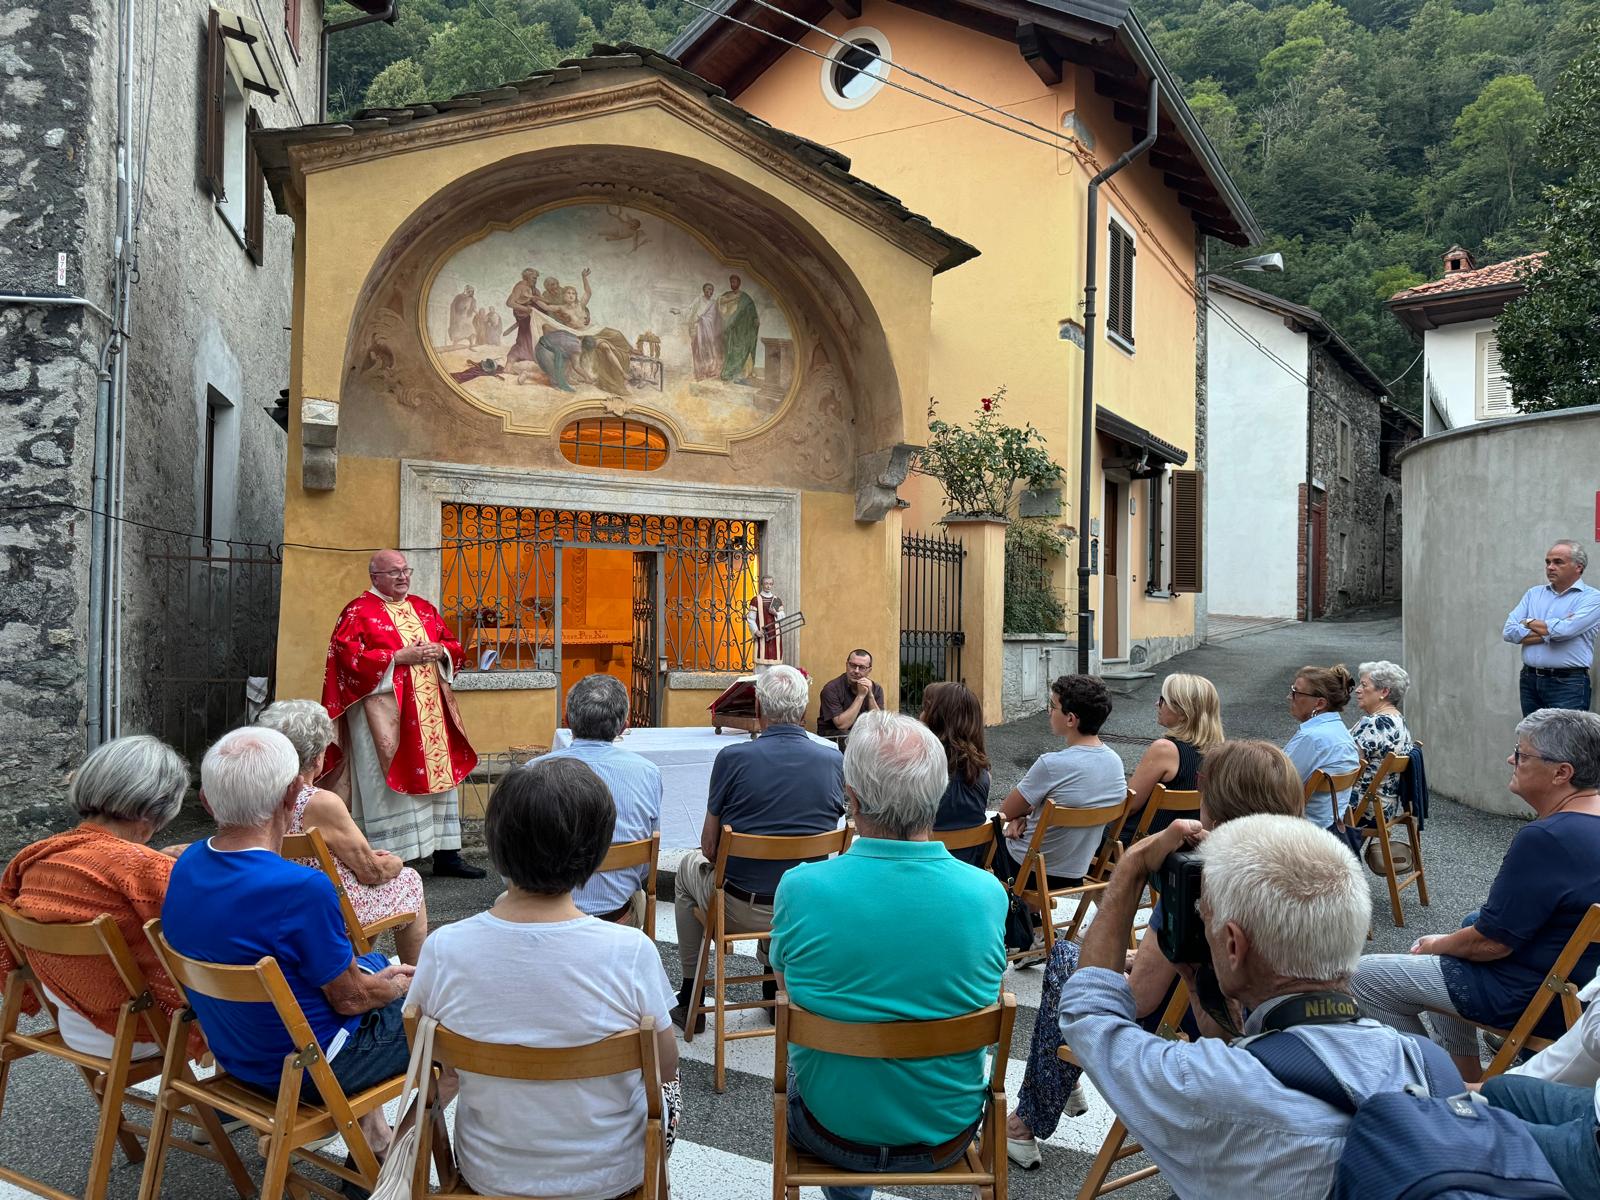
(425, 487)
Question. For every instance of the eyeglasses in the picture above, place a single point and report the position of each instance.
(403, 573)
(1308, 695)
(1161, 701)
(1518, 754)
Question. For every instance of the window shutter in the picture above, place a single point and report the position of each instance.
(291, 26)
(215, 106)
(1496, 390)
(1119, 282)
(255, 199)
(1188, 529)
(1128, 251)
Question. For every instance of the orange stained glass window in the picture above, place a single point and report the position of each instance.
(612, 442)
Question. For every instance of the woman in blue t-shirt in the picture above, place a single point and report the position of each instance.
(954, 716)
(1488, 970)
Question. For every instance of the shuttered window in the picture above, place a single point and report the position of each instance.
(1119, 283)
(214, 144)
(255, 200)
(1156, 539)
(1188, 531)
(291, 26)
(1494, 390)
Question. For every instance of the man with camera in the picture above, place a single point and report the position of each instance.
(1268, 943)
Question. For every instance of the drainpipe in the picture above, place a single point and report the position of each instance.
(328, 30)
(1086, 458)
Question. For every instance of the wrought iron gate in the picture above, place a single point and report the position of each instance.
(930, 614)
(645, 694)
(214, 630)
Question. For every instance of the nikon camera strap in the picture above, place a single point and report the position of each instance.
(1312, 1008)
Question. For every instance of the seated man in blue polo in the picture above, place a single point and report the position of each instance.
(233, 900)
(785, 783)
(895, 929)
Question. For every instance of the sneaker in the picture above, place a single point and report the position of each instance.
(1077, 1103)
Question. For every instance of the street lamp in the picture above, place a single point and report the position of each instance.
(1272, 262)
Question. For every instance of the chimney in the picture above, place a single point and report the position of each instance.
(1457, 260)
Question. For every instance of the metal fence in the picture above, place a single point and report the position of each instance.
(214, 636)
(930, 614)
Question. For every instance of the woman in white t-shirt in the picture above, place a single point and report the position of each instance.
(535, 971)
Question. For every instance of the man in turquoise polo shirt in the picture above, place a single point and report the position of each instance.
(895, 929)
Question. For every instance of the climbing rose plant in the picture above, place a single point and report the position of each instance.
(980, 465)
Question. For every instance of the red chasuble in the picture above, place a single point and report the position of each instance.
(416, 728)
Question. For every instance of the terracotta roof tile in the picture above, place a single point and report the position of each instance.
(1494, 275)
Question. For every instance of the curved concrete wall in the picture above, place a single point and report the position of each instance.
(1483, 503)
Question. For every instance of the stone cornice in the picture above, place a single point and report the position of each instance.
(539, 109)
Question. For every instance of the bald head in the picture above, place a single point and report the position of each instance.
(391, 577)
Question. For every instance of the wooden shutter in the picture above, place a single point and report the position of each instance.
(1119, 283)
(255, 199)
(291, 26)
(215, 102)
(1496, 390)
(1188, 531)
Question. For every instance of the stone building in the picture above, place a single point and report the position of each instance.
(127, 187)
(1292, 410)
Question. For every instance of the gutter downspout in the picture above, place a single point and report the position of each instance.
(328, 30)
(1086, 457)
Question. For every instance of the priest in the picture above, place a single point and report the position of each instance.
(387, 686)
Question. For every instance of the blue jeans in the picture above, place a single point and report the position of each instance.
(1561, 1119)
(376, 1050)
(803, 1133)
(1553, 691)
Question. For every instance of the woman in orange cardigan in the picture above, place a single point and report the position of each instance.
(125, 792)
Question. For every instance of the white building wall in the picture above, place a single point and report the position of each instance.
(1450, 358)
(1256, 461)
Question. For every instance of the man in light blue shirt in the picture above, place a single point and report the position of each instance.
(597, 713)
(1555, 624)
(1286, 908)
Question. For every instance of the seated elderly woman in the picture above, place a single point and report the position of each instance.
(1237, 779)
(1322, 743)
(126, 792)
(1191, 714)
(1488, 970)
(1381, 731)
(378, 883)
(535, 970)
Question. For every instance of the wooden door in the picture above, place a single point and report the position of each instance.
(1319, 557)
(1110, 573)
(644, 694)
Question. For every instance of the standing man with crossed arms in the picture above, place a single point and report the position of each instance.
(1555, 624)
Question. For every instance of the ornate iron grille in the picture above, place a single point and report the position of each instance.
(930, 614)
(498, 581)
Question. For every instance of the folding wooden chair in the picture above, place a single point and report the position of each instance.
(643, 853)
(287, 1121)
(719, 937)
(982, 1170)
(1032, 884)
(1118, 1145)
(109, 1077)
(1372, 804)
(311, 845)
(1338, 784)
(966, 839)
(1179, 804)
(1557, 983)
(621, 1053)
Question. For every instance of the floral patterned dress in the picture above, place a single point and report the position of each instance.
(1377, 736)
(401, 894)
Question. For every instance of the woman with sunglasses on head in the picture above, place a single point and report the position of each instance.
(1190, 714)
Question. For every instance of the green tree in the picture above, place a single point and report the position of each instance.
(1494, 135)
(1550, 338)
(400, 83)
(483, 47)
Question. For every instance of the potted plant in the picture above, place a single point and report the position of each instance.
(980, 465)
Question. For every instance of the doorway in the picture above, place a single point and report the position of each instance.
(1111, 571)
(608, 621)
(1319, 554)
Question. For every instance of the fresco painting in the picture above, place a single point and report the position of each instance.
(596, 304)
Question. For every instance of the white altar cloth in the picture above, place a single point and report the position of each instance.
(685, 756)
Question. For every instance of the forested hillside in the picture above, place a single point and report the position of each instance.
(1368, 136)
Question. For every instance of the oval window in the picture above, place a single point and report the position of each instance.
(612, 442)
(856, 69)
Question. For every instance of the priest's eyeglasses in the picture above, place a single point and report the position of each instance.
(400, 573)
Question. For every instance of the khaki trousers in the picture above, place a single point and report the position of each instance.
(693, 890)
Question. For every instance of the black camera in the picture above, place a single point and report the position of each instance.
(1181, 933)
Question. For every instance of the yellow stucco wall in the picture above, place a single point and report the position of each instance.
(354, 211)
(996, 321)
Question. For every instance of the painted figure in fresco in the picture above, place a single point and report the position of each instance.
(463, 309)
(491, 327)
(571, 352)
(705, 334)
(741, 325)
(552, 290)
(523, 302)
(629, 229)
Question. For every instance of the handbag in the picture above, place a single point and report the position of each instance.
(1019, 921)
(394, 1176)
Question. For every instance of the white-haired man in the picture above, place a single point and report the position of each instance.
(233, 900)
(784, 783)
(1286, 910)
(1555, 624)
(851, 944)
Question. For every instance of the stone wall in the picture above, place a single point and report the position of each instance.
(203, 317)
(1355, 541)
